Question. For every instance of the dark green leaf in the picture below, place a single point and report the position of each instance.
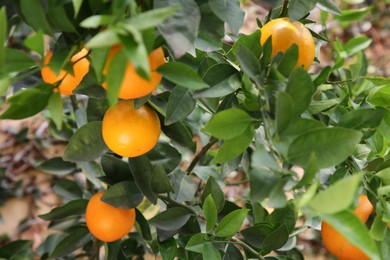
(160, 181)
(289, 60)
(300, 88)
(225, 87)
(325, 145)
(329, 6)
(183, 185)
(210, 212)
(57, 166)
(124, 195)
(165, 155)
(116, 169)
(337, 197)
(255, 235)
(179, 133)
(142, 171)
(232, 253)
(230, 12)
(277, 238)
(231, 223)
(21, 105)
(86, 144)
(284, 110)
(212, 188)
(35, 16)
(210, 252)
(71, 209)
(251, 41)
(171, 219)
(67, 189)
(362, 118)
(286, 215)
(231, 148)
(58, 17)
(249, 63)
(228, 124)
(168, 249)
(143, 224)
(3, 36)
(180, 105)
(14, 248)
(78, 237)
(16, 61)
(96, 109)
(180, 31)
(299, 8)
(183, 75)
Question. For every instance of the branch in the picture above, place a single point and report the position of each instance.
(168, 200)
(200, 155)
(246, 247)
(285, 9)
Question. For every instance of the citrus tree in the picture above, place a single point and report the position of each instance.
(160, 102)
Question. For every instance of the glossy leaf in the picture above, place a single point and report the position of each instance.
(35, 16)
(300, 88)
(231, 223)
(180, 105)
(57, 166)
(325, 145)
(86, 144)
(210, 212)
(171, 219)
(77, 238)
(299, 8)
(212, 188)
(73, 208)
(210, 252)
(124, 195)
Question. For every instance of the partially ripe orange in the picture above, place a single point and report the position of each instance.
(108, 223)
(133, 85)
(337, 244)
(68, 82)
(128, 131)
(285, 33)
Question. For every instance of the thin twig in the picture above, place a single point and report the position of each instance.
(200, 155)
(285, 8)
(168, 200)
(247, 247)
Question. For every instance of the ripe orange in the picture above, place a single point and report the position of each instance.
(285, 33)
(128, 131)
(106, 222)
(133, 85)
(337, 244)
(68, 82)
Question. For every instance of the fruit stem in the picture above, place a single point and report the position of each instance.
(285, 8)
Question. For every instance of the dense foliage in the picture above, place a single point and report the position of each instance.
(225, 107)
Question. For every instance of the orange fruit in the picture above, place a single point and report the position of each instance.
(128, 131)
(337, 244)
(68, 82)
(284, 33)
(108, 223)
(133, 85)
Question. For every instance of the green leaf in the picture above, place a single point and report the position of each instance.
(231, 148)
(255, 235)
(224, 88)
(183, 185)
(95, 21)
(362, 118)
(262, 183)
(210, 252)
(329, 6)
(212, 188)
(58, 17)
(297, 9)
(67, 189)
(73, 208)
(384, 175)
(14, 248)
(171, 219)
(164, 155)
(3, 37)
(231, 223)
(16, 61)
(251, 42)
(55, 107)
(337, 197)
(21, 105)
(106, 38)
(249, 64)
(143, 225)
(179, 133)
(284, 110)
(330, 146)
(116, 169)
(152, 18)
(357, 44)
(351, 227)
(354, 14)
(96, 109)
(78, 237)
(197, 242)
(180, 105)
(115, 75)
(181, 30)
(300, 88)
(142, 171)
(228, 123)
(276, 239)
(380, 96)
(378, 228)
(160, 182)
(210, 212)
(230, 12)
(182, 75)
(56, 166)
(124, 195)
(86, 144)
(35, 16)
(76, 6)
(168, 249)
(288, 60)
(287, 215)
